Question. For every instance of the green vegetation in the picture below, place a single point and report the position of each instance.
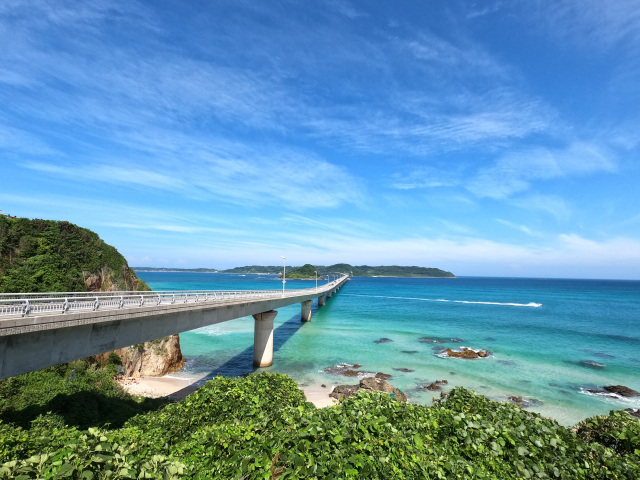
(308, 270)
(46, 255)
(271, 270)
(388, 271)
(261, 427)
(169, 269)
(81, 394)
(304, 272)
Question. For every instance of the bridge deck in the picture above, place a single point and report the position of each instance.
(41, 330)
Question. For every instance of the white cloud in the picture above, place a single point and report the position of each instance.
(552, 205)
(597, 26)
(521, 228)
(513, 173)
(293, 181)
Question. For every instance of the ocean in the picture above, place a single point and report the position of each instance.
(550, 340)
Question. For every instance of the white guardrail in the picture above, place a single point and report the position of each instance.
(56, 303)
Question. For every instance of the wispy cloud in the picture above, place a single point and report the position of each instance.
(425, 176)
(521, 228)
(263, 180)
(590, 23)
(551, 205)
(513, 173)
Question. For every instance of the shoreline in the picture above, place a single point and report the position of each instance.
(177, 388)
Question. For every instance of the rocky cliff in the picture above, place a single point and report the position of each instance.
(49, 256)
(154, 358)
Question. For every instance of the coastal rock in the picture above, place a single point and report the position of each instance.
(621, 390)
(524, 403)
(435, 386)
(340, 368)
(409, 351)
(369, 384)
(466, 352)
(431, 340)
(344, 391)
(383, 376)
(383, 340)
(634, 412)
(347, 369)
(406, 370)
(156, 358)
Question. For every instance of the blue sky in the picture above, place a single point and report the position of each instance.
(489, 138)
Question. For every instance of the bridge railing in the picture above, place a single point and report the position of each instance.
(55, 303)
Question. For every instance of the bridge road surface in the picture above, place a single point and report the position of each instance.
(46, 329)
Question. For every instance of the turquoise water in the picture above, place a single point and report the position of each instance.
(549, 339)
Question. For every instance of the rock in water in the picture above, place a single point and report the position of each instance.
(621, 390)
(369, 384)
(466, 352)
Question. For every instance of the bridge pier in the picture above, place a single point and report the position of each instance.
(322, 300)
(305, 315)
(263, 338)
(329, 293)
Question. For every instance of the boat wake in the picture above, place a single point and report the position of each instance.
(530, 304)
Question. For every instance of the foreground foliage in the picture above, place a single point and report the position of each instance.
(261, 427)
(80, 394)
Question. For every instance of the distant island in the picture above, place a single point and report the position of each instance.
(308, 271)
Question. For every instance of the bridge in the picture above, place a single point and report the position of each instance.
(43, 329)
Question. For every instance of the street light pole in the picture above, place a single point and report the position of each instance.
(284, 273)
(316, 281)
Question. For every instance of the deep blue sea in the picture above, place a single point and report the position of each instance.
(550, 340)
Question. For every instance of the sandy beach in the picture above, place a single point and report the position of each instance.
(177, 388)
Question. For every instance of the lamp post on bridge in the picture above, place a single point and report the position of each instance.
(316, 281)
(284, 273)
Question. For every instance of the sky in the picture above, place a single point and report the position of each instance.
(485, 138)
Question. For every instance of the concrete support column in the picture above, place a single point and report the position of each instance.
(305, 315)
(263, 338)
(322, 300)
(329, 294)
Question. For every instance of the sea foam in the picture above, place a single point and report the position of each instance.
(510, 304)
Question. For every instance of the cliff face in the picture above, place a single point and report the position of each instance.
(51, 256)
(154, 358)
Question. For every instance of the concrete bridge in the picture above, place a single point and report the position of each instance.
(45, 329)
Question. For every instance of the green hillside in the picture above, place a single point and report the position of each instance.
(304, 272)
(52, 256)
(356, 271)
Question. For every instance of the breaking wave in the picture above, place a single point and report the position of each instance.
(530, 304)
